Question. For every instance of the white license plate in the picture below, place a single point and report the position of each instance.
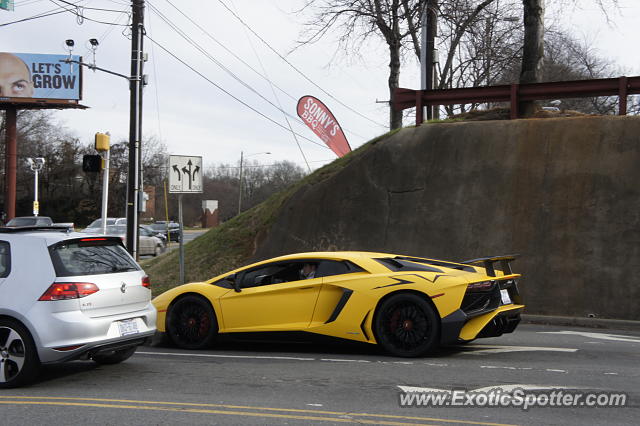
(128, 327)
(504, 294)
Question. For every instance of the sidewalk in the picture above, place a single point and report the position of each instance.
(582, 322)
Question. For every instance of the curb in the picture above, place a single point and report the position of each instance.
(581, 322)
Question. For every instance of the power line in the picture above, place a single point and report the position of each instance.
(157, 81)
(40, 15)
(87, 7)
(80, 16)
(218, 63)
(295, 68)
(276, 96)
(227, 92)
(232, 53)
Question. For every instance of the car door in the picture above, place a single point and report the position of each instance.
(145, 242)
(272, 297)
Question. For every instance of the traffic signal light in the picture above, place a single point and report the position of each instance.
(102, 141)
(91, 163)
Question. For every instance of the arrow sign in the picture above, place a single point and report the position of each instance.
(175, 169)
(186, 175)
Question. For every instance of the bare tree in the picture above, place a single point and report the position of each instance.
(395, 21)
(532, 49)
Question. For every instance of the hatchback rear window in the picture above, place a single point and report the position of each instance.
(91, 256)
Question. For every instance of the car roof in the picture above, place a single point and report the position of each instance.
(50, 234)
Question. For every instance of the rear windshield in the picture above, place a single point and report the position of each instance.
(91, 256)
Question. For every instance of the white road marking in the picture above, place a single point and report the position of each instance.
(511, 388)
(435, 364)
(226, 356)
(611, 374)
(407, 389)
(603, 336)
(506, 367)
(489, 349)
(343, 360)
(494, 388)
(315, 405)
(551, 370)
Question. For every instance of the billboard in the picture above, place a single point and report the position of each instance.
(6, 5)
(321, 121)
(32, 77)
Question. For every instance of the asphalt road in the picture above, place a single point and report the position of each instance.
(174, 245)
(244, 381)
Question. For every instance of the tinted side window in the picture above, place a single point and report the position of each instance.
(327, 268)
(5, 259)
(71, 258)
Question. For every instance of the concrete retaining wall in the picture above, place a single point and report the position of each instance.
(565, 193)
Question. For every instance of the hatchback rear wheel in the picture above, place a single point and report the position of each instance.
(19, 363)
(191, 323)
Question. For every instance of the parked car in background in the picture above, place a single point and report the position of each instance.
(30, 221)
(86, 299)
(96, 226)
(170, 229)
(155, 233)
(148, 242)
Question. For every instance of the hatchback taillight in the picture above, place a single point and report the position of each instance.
(65, 291)
(146, 281)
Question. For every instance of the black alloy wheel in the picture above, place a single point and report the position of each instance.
(406, 325)
(191, 323)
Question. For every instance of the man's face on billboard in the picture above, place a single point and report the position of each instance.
(15, 80)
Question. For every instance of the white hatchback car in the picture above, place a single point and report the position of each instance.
(67, 296)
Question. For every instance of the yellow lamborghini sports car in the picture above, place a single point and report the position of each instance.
(408, 305)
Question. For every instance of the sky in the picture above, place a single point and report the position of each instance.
(192, 116)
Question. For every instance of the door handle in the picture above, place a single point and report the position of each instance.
(306, 288)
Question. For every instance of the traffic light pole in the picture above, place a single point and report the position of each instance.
(105, 189)
(135, 126)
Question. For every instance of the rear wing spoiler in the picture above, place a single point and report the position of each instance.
(487, 262)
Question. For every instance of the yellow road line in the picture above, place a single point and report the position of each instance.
(15, 399)
(204, 411)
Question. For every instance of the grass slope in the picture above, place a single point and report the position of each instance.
(232, 244)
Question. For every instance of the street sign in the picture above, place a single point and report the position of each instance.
(185, 174)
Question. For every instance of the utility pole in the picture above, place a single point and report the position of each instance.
(429, 22)
(240, 186)
(135, 126)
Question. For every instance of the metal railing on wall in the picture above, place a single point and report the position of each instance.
(516, 93)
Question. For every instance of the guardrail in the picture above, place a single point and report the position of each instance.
(515, 93)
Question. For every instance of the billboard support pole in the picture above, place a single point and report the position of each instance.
(133, 183)
(11, 163)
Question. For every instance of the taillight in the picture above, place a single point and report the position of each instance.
(481, 286)
(146, 281)
(65, 291)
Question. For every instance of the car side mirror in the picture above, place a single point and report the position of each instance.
(233, 279)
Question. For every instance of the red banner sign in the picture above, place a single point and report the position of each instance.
(317, 116)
